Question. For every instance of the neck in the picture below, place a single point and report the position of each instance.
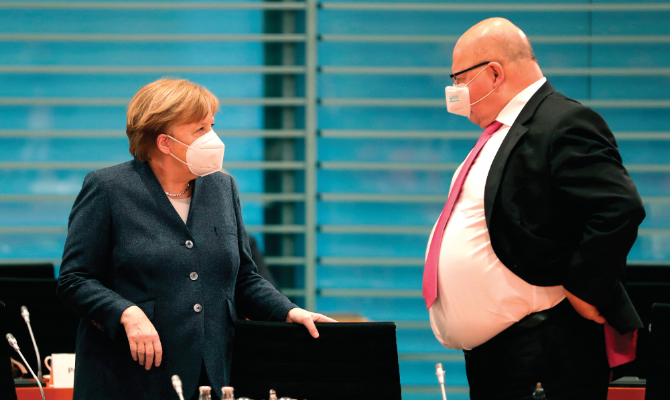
(514, 85)
(170, 176)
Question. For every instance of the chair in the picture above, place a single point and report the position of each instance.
(33, 271)
(54, 324)
(348, 360)
(658, 384)
(7, 390)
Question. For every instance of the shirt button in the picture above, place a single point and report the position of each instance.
(197, 308)
(188, 244)
(194, 276)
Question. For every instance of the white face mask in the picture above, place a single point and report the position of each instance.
(205, 155)
(458, 97)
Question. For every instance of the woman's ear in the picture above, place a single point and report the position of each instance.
(163, 144)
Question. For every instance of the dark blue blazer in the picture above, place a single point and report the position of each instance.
(127, 245)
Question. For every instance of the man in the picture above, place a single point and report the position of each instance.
(523, 266)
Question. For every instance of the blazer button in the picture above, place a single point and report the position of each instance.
(188, 244)
(197, 308)
(194, 276)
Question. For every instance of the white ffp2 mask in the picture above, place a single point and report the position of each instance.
(205, 155)
(458, 97)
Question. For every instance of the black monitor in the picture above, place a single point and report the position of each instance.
(7, 390)
(33, 271)
(54, 324)
(347, 361)
(646, 285)
(658, 384)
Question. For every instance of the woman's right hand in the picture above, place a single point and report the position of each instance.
(145, 346)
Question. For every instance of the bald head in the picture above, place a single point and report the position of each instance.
(496, 39)
(510, 66)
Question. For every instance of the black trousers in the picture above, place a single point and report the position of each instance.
(563, 351)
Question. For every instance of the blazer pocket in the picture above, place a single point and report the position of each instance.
(148, 308)
(222, 230)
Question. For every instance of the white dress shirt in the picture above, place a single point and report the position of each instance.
(477, 296)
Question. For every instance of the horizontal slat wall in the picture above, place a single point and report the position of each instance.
(67, 72)
(388, 148)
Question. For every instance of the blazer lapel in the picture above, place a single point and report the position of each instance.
(515, 133)
(158, 197)
(197, 197)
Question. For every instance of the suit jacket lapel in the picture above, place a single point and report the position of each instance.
(158, 197)
(515, 133)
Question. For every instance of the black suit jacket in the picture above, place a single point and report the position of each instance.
(126, 245)
(561, 208)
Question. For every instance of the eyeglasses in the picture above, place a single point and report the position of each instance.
(453, 76)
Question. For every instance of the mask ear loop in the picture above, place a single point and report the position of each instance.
(472, 104)
(184, 144)
(488, 94)
(175, 157)
(475, 77)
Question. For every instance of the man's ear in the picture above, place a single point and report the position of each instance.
(163, 144)
(498, 73)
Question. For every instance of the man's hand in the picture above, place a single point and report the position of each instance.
(142, 337)
(304, 317)
(585, 309)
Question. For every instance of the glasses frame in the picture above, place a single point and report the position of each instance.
(454, 75)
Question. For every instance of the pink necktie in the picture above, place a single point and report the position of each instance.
(430, 270)
(620, 348)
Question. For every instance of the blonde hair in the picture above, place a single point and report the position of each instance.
(159, 106)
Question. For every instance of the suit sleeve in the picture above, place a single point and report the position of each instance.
(587, 170)
(259, 260)
(86, 260)
(254, 296)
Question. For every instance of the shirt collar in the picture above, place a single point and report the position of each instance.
(512, 110)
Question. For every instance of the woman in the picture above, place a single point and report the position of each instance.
(157, 256)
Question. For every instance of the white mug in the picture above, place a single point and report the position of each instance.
(61, 369)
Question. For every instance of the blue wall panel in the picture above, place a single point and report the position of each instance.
(652, 245)
(113, 84)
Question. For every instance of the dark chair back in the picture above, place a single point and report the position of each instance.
(35, 271)
(658, 384)
(347, 361)
(54, 324)
(7, 390)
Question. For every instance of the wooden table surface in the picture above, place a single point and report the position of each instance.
(33, 393)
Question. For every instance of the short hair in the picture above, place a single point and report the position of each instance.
(159, 106)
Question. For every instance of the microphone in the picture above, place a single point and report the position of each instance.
(26, 317)
(439, 372)
(12, 341)
(15, 346)
(176, 384)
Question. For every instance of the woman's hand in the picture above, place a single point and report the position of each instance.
(585, 309)
(142, 337)
(304, 317)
